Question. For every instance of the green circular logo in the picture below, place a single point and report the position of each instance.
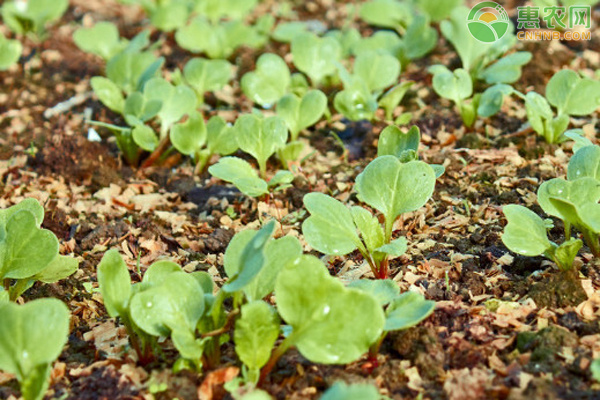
(488, 21)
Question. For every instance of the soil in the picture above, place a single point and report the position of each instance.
(505, 326)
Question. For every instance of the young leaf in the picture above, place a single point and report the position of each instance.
(331, 324)
(394, 142)
(566, 89)
(144, 137)
(176, 304)
(407, 310)
(250, 261)
(115, 283)
(140, 108)
(395, 248)
(33, 15)
(370, 230)
(492, 98)
(390, 99)
(207, 75)
(220, 138)
(260, 137)
(525, 232)
(357, 391)
(507, 69)
(394, 188)
(10, 51)
(255, 334)
(300, 113)
(456, 86)
(330, 228)
(108, 93)
(102, 40)
(59, 268)
(189, 137)
(419, 39)
(29, 204)
(585, 163)
(177, 100)
(316, 57)
(31, 338)
(579, 192)
(385, 13)
(383, 290)
(356, 101)
(566, 253)
(129, 70)
(381, 42)
(27, 249)
(278, 253)
(377, 70)
(268, 82)
(241, 174)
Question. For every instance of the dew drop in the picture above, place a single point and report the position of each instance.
(326, 310)
(149, 304)
(25, 354)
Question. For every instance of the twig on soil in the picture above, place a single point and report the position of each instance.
(65, 106)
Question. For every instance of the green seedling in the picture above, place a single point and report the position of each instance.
(402, 311)
(260, 137)
(316, 57)
(570, 94)
(404, 146)
(373, 72)
(574, 201)
(526, 234)
(32, 336)
(201, 141)
(385, 13)
(387, 185)
(177, 101)
(300, 112)
(10, 52)
(269, 82)
(418, 37)
(478, 58)
(285, 32)
(457, 86)
(102, 40)
(348, 38)
(32, 16)
(218, 39)
(204, 75)
(244, 177)
(166, 302)
(29, 253)
(329, 324)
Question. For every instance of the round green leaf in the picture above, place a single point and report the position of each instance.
(330, 228)
(525, 232)
(269, 82)
(32, 335)
(394, 188)
(331, 324)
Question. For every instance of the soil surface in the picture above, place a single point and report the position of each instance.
(504, 326)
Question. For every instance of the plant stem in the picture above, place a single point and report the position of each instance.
(591, 239)
(225, 328)
(262, 166)
(374, 349)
